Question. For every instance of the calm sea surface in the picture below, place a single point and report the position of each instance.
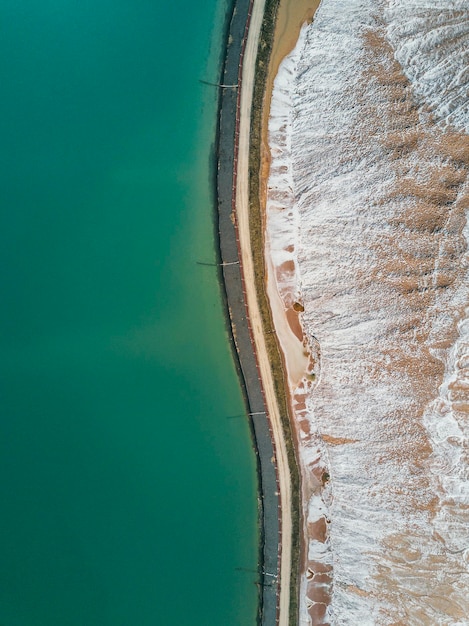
(127, 496)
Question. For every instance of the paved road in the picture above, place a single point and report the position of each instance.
(235, 246)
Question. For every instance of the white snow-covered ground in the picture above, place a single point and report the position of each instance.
(366, 228)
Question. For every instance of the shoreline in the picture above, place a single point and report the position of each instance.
(261, 362)
(244, 327)
(289, 19)
(252, 295)
(301, 352)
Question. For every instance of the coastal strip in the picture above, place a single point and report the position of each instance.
(300, 354)
(247, 330)
(243, 217)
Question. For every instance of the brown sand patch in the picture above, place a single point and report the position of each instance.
(318, 593)
(316, 567)
(294, 323)
(318, 612)
(359, 592)
(318, 529)
(426, 210)
(337, 441)
(322, 578)
(287, 267)
(461, 406)
(441, 599)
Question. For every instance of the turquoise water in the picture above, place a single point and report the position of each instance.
(128, 498)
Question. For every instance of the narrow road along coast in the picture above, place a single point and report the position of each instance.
(238, 273)
(242, 213)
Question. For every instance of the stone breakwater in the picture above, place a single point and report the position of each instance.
(367, 210)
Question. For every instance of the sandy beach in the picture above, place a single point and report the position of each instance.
(291, 16)
(285, 299)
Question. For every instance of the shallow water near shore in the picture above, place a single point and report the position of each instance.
(128, 495)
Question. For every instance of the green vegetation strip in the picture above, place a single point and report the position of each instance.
(257, 239)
